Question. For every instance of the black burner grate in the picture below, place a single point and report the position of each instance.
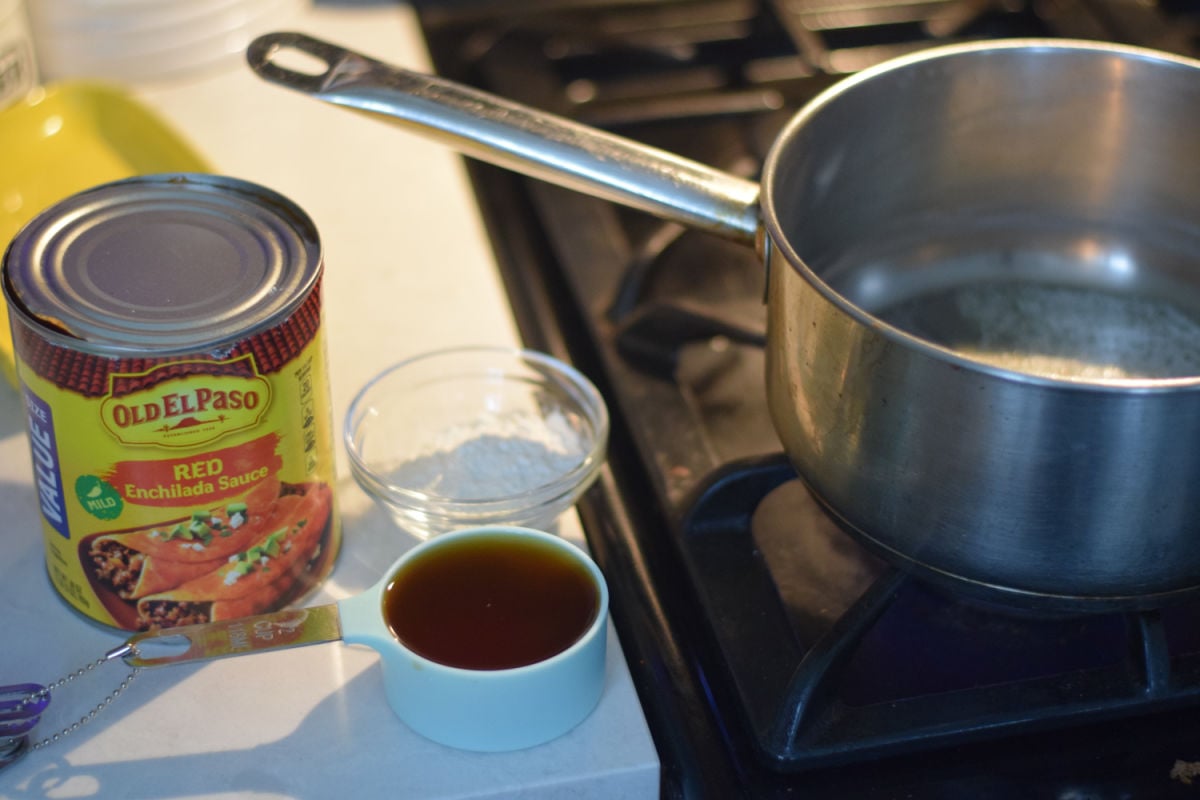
(866, 661)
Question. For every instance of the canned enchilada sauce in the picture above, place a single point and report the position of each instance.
(168, 339)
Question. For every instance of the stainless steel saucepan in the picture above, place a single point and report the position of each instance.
(983, 288)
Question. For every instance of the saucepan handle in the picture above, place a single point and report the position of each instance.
(514, 136)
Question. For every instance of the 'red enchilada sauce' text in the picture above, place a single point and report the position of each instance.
(170, 353)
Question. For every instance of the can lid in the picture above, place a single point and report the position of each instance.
(163, 263)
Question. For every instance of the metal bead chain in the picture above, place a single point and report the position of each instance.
(103, 704)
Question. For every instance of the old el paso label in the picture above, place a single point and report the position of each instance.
(188, 411)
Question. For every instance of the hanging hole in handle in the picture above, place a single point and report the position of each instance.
(159, 649)
(292, 59)
(301, 62)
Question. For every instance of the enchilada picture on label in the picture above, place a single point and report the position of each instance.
(171, 360)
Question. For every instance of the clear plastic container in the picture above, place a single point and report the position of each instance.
(18, 67)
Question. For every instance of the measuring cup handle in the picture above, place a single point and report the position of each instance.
(293, 627)
(362, 620)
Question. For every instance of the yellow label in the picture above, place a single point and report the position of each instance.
(190, 491)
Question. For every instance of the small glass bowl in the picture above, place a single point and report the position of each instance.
(477, 436)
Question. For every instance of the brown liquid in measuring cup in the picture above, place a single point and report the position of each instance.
(493, 603)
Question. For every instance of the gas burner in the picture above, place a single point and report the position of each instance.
(866, 661)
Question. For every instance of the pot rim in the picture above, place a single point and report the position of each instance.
(775, 238)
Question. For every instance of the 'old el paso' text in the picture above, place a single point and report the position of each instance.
(179, 404)
(188, 411)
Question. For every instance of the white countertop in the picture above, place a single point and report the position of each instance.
(408, 269)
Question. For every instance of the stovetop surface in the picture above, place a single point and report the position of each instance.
(731, 586)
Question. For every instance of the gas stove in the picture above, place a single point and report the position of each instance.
(772, 654)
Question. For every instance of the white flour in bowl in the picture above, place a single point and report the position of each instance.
(494, 457)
